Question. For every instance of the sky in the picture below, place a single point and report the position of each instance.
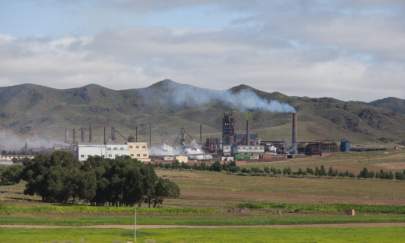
(347, 49)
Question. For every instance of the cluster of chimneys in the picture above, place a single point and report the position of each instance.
(113, 135)
(114, 132)
(82, 135)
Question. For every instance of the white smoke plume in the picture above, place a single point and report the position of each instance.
(185, 95)
(12, 141)
(164, 150)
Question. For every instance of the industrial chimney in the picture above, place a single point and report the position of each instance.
(294, 133)
(105, 138)
(66, 135)
(90, 134)
(136, 134)
(82, 135)
(73, 136)
(113, 137)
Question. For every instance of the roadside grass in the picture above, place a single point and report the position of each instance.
(370, 235)
(220, 219)
(45, 208)
(325, 208)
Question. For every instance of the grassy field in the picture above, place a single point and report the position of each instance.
(377, 235)
(217, 198)
(212, 198)
(390, 160)
(210, 189)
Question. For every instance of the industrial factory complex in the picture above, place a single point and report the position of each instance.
(231, 145)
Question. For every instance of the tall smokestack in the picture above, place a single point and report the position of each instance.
(113, 134)
(82, 134)
(136, 134)
(150, 135)
(90, 133)
(105, 137)
(247, 132)
(74, 135)
(294, 133)
(66, 135)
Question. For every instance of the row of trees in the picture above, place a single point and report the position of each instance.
(231, 167)
(59, 177)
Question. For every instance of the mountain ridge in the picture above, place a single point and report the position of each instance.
(30, 109)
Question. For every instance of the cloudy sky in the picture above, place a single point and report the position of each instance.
(349, 49)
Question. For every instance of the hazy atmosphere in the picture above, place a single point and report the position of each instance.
(350, 50)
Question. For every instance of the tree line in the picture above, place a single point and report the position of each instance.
(60, 177)
(320, 171)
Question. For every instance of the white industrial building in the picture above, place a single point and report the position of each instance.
(254, 149)
(109, 151)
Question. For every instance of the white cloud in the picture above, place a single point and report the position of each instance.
(346, 49)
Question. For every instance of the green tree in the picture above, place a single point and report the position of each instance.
(11, 175)
(216, 166)
(165, 188)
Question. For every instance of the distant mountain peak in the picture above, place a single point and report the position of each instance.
(241, 87)
(165, 83)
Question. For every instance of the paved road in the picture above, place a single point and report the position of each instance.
(117, 226)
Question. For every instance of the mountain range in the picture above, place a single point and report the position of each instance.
(30, 110)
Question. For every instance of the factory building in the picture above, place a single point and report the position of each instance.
(116, 150)
(279, 147)
(240, 139)
(318, 148)
(212, 145)
(84, 151)
(227, 150)
(181, 158)
(11, 159)
(138, 151)
(109, 151)
(247, 152)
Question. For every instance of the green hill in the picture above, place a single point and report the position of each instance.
(32, 110)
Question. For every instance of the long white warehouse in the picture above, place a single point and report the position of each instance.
(109, 151)
(136, 150)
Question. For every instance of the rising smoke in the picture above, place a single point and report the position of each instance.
(185, 95)
(12, 141)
